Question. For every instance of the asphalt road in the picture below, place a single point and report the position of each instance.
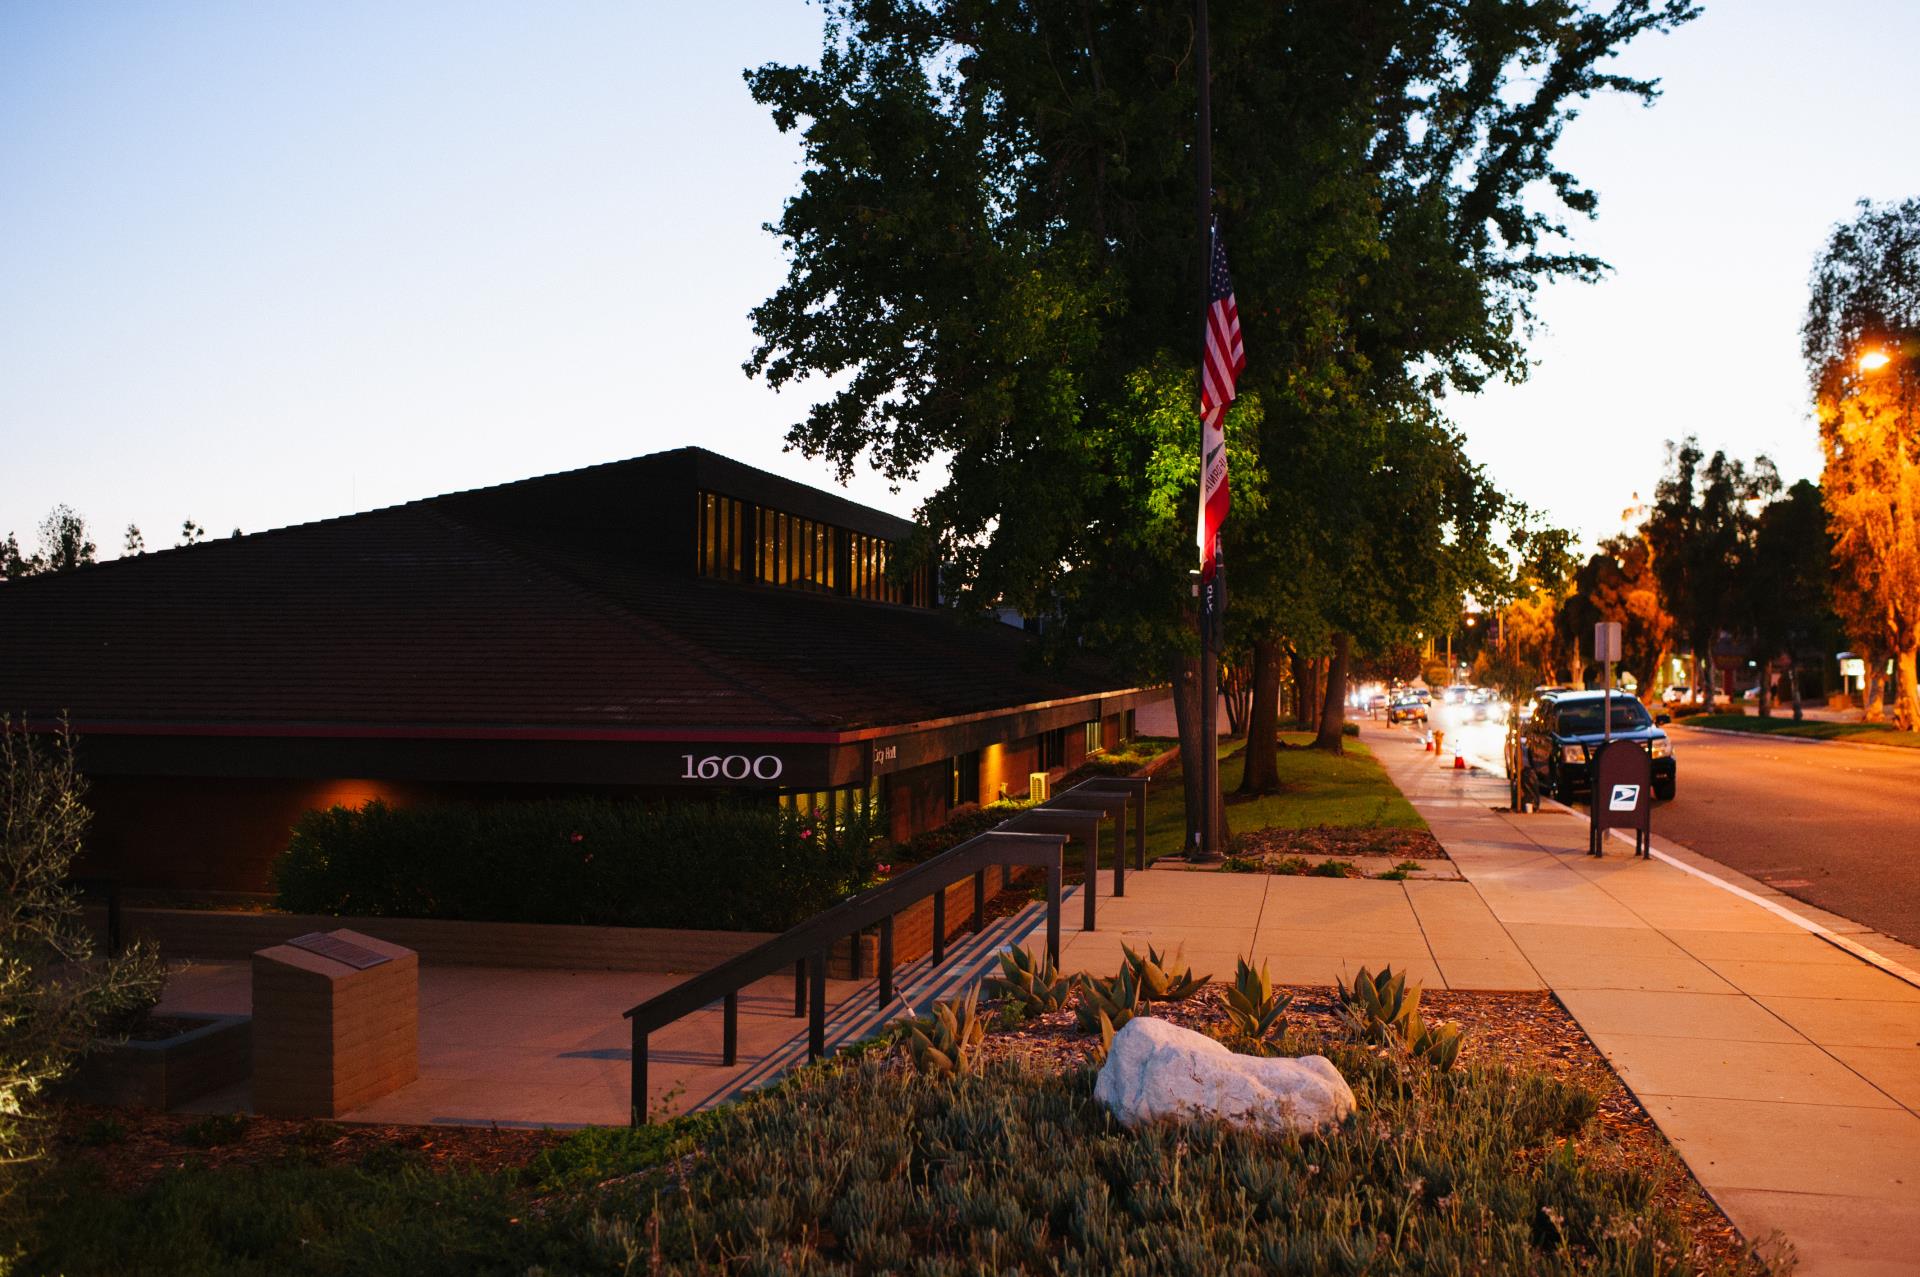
(1837, 826)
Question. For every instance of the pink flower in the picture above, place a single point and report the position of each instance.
(883, 870)
(806, 833)
(578, 837)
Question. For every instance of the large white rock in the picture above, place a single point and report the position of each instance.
(1157, 1069)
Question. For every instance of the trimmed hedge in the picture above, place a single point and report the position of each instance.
(580, 861)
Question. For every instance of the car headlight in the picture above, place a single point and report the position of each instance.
(1662, 748)
(1573, 753)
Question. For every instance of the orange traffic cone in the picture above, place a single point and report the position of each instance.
(1459, 763)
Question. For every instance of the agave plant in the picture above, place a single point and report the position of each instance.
(1439, 1044)
(1106, 1040)
(1254, 1009)
(1378, 1006)
(944, 1042)
(1110, 1002)
(1158, 982)
(1031, 980)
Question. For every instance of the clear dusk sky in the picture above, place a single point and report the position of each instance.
(262, 264)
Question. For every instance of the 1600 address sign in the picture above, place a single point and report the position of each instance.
(732, 767)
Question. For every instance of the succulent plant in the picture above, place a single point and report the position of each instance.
(1031, 980)
(1254, 1009)
(1112, 1002)
(1378, 1006)
(944, 1042)
(1158, 982)
(1438, 1044)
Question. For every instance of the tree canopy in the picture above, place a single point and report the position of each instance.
(1865, 301)
(994, 258)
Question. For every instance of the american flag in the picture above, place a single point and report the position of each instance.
(1220, 369)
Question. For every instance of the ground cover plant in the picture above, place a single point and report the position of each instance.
(583, 861)
(1527, 1156)
(1783, 725)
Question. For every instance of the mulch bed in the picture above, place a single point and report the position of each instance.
(1327, 841)
(130, 1148)
(1517, 1029)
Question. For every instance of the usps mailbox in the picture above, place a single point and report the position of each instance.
(1622, 795)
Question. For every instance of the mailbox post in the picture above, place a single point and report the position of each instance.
(1622, 796)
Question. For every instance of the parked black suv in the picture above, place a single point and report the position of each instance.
(1564, 730)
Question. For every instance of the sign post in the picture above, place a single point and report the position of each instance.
(1606, 650)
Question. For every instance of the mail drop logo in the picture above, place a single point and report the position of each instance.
(1625, 798)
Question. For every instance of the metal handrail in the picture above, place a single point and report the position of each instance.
(1075, 813)
(806, 945)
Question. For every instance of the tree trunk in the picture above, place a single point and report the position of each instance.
(1906, 706)
(1333, 712)
(1873, 698)
(1262, 775)
(1766, 688)
(1186, 711)
(1302, 670)
(1704, 674)
(1793, 685)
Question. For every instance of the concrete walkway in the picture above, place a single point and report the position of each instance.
(513, 1047)
(1785, 1070)
(1307, 930)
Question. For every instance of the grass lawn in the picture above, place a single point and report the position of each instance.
(1783, 725)
(1317, 788)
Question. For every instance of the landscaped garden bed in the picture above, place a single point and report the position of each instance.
(1527, 1155)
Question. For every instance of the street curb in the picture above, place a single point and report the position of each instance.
(1797, 740)
(1845, 944)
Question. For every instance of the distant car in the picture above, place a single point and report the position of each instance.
(1567, 725)
(1407, 709)
(1377, 702)
(1679, 694)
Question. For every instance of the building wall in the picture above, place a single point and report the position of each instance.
(204, 834)
(1009, 763)
(916, 799)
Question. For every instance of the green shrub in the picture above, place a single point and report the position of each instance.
(578, 860)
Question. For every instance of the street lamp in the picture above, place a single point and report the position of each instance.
(1874, 360)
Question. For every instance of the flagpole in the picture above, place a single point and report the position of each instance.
(1210, 589)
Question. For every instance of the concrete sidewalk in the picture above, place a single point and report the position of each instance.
(1307, 930)
(514, 1047)
(1785, 1070)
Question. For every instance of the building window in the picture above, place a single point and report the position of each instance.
(966, 778)
(740, 541)
(834, 806)
(1053, 749)
(1093, 736)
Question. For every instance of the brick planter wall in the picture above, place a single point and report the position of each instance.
(169, 1071)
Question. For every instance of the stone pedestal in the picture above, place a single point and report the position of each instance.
(335, 1023)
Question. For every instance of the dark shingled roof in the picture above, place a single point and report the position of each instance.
(530, 605)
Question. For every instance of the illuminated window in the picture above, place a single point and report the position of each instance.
(737, 540)
(1093, 737)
